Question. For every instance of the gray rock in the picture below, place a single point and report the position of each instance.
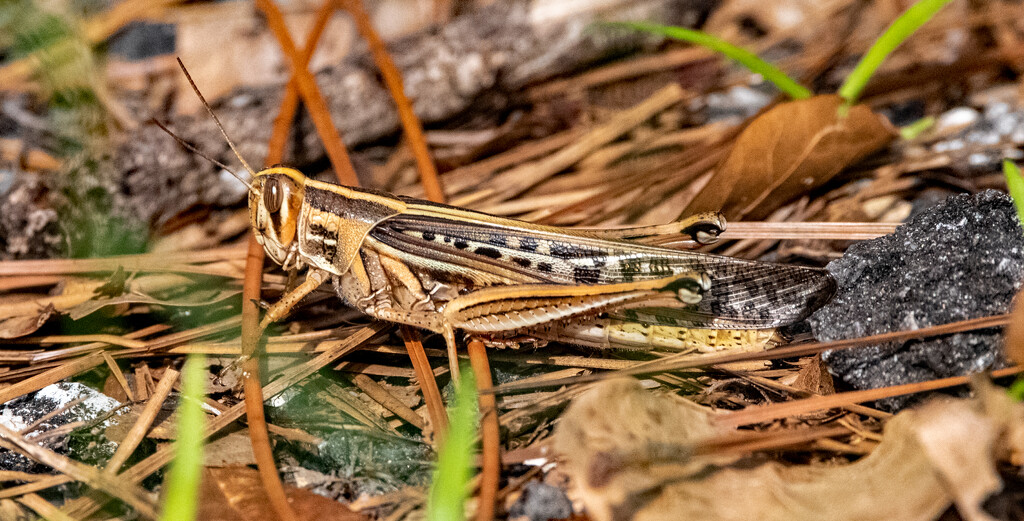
(959, 260)
(141, 40)
(74, 403)
(541, 502)
(29, 227)
(977, 142)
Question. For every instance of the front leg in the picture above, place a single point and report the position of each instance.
(314, 278)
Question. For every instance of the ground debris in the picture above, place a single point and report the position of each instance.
(490, 53)
(635, 455)
(541, 502)
(29, 226)
(529, 112)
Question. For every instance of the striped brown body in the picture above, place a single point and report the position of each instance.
(444, 268)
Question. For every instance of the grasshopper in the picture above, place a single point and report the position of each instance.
(447, 269)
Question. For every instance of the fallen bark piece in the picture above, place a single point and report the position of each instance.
(482, 58)
(632, 456)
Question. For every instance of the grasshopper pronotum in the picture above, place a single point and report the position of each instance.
(443, 269)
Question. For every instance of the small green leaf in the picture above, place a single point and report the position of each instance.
(450, 486)
(181, 502)
(1016, 390)
(1015, 185)
(744, 57)
(901, 29)
(915, 129)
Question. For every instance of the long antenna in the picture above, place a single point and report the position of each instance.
(200, 153)
(215, 119)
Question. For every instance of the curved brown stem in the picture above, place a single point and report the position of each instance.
(253, 280)
(310, 93)
(428, 385)
(490, 456)
(393, 79)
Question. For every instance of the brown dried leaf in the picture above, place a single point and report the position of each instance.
(233, 449)
(1014, 341)
(630, 455)
(800, 20)
(815, 378)
(236, 494)
(788, 150)
(22, 325)
(113, 389)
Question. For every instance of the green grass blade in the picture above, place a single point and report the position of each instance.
(181, 502)
(1016, 390)
(450, 486)
(904, 26)
(746, 58)
(1015, 185)
(916, 128)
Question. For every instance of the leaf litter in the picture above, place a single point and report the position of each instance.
(633, 167)
(637, 455)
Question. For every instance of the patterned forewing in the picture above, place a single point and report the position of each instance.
(743, 294)
(746, 295)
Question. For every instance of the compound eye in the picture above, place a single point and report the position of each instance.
(273, 195)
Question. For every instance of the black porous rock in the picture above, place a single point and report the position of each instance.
(541, 502)
(959, 260)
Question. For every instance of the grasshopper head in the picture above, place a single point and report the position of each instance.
(274, 203)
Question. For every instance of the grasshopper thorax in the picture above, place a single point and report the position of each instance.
(275, 202)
